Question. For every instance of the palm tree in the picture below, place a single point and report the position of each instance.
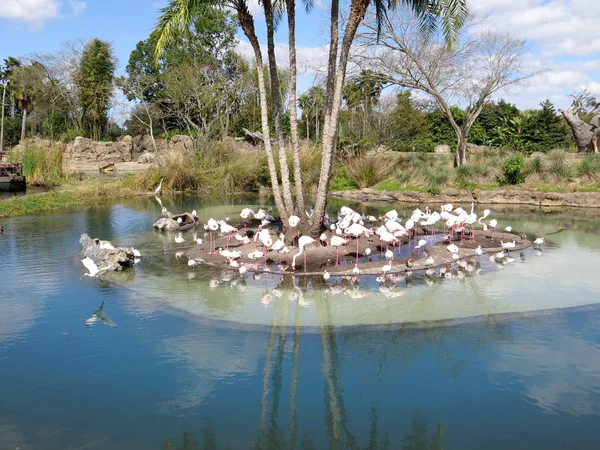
(174, 22)
(26, 80)
(304, 105)
(450, 14)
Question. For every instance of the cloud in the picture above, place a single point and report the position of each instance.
(36, 13)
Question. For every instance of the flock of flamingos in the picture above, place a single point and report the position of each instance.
(345, 226)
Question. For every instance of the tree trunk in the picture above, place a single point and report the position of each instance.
(247, 24)
(276, 106)
(460, 157)
(23, 123)
(291, 14)
(12, 106)
(586, 134)
(358, 9)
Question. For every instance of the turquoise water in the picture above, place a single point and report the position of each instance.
(154, 358)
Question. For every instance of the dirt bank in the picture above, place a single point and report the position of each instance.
(490, 197)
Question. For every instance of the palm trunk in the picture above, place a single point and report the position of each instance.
(23, 123)
(12, 106)
(276, 105)
(291, 14)
(247, 25)
(358, 8)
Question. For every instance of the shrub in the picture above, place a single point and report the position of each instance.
(463, 174)
(535, 165)
(561, 170)
(341, 182)
(368, 170)
(513, 170)
(437, 176)
(589, 166)
(434, 190)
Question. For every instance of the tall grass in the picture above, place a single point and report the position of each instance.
(589, 166)
(216, 168)
(43, 167)
(368, 170)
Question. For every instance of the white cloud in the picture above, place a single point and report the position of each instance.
(36, 13)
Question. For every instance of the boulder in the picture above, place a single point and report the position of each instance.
(146, 158)
(115, 259)
(181, 142)
(166, 223)
(476, 149)
(442, 149)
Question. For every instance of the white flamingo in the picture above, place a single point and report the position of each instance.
(212, 226)
(179, 240)
(303, 241)
(337, 242)
(538, 241)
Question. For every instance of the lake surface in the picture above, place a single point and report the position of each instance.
(498, 356)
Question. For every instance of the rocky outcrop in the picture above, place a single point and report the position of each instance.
(115, 258)
(442, 149)
(495, 196)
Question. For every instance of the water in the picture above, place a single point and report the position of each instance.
(508, 358)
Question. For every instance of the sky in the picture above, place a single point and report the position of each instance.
(563, 43)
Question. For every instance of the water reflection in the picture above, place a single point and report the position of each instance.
(97, 315)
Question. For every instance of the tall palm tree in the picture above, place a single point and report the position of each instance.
(175, 20)
(450, 14)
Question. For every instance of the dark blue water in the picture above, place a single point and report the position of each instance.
(149, 374)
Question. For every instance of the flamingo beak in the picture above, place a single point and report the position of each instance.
(81, 278)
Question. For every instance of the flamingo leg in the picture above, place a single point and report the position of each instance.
(305, 261)
(337, 256)
(356, 250)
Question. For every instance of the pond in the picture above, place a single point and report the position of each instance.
(167, 357)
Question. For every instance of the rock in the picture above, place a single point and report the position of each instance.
(181, 142)
(166, 223)
(146, 158)
(114, 259)
(442, 149)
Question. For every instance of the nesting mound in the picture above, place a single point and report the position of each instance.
(323, 257)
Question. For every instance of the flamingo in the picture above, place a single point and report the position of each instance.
(337, 242)
(294, 221)
(478, 251)
(452, 248)
(227, 229)
(385, 269)
(303, 241)
(492, 224)
(389, 255)
(538, 241)
(357, 230)
(212, 225)
(421, 244)
(508, 229)
(192, 262)
(94, 271)
(429, 261)
(159, 188)
(356, 270)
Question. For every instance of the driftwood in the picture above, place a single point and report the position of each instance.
(587, 134)
(107, 168)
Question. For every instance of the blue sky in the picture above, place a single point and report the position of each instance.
(561, 34)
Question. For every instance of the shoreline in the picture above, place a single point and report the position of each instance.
(479, 196)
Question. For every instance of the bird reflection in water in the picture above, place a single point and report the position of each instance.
(97, 315)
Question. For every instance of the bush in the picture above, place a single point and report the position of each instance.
(562, 171)
(438, 176)
(341, 182)
(535, 165)
(589, 167)
(513, 170)
(367, 171)
(463, 175)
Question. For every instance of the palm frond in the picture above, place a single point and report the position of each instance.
(175, 20)
(450, 15)
(309, 5)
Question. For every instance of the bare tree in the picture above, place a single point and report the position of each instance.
(586, 132)
(468, 73)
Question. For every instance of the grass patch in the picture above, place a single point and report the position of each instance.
(589, 167)
(41, 166)
(341, 181)
(388, 185)
(368, 170)
(71, 194)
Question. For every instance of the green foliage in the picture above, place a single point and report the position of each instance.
(535, 165)
(12, 131)
(94, 80)
(589, 166)
(434, 190)
(42, 167)
(513, 170)
(438, 176)
(389, 184)
(341, 181)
